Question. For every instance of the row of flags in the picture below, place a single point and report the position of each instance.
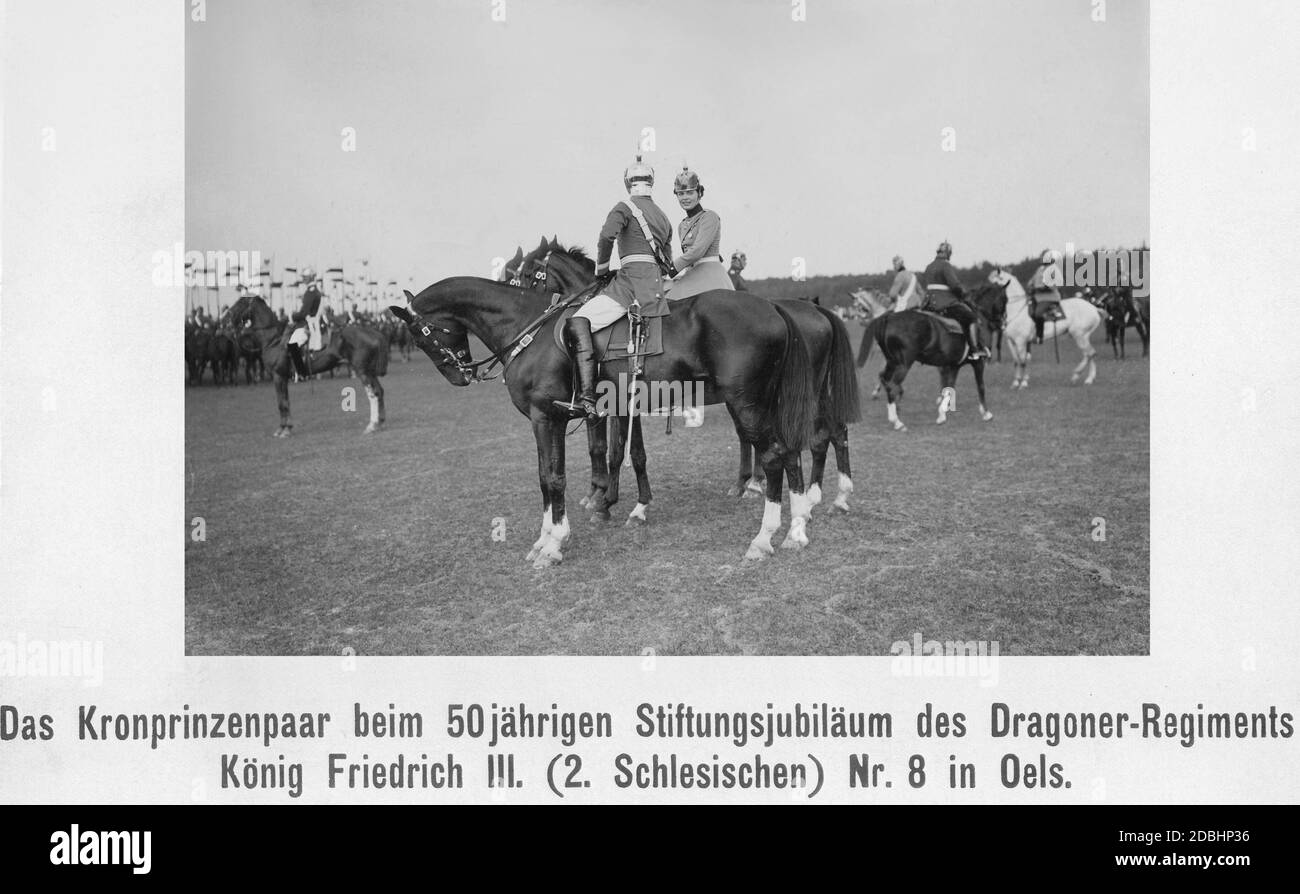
(282, 287)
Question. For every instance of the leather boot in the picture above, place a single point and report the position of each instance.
(974, 348)
(577, 335)
(299, 364)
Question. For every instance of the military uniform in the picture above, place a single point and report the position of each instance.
(944, 295)
(639, 278)
(699, 265)
(1045, 296)
(906, 291)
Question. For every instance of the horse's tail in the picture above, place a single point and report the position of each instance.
(842, 377)
(793, 398)
(868, 338)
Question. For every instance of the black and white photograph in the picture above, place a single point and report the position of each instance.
(822, 328)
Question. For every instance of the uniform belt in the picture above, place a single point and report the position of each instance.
(938, 288)
(638, 259)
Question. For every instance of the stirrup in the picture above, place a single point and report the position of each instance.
(579, 410)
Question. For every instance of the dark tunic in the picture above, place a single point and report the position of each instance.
(942, 284)
(639, 280)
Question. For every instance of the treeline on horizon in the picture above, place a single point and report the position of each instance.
(834, 290)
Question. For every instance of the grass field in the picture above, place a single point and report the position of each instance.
(383, 544)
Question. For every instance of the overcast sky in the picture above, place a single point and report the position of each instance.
(820, 139)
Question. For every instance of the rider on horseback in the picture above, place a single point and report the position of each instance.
(699, 265)
(305, 325)
(642, 231)
(738, 261)
(1045, 300)
(907, 291)
(946, 297)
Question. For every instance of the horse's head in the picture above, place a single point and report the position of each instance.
(443, 340)
(559, 269)
(991, 301)
(512, 275)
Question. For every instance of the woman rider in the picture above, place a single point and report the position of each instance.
(699, 265)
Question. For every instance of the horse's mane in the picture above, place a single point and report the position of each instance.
(577, 253)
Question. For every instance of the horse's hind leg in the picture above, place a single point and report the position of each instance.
(892, 379)
(947, 394)
(800, 506)
(749, 480)
(761, 546)
(840, 438)
(821, 442)
(637, 515)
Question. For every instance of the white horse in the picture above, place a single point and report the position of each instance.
(1081, 320)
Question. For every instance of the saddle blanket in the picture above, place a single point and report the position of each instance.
(611, 342)
(949, 323)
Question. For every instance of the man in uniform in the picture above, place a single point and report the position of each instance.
(643, 234)
(305, 325)
(738, 261)
(946, 297)
(906, 291)
(1046, 300)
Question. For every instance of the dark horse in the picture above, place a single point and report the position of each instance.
(913, 336)
(745, 351)
(1122, 311)
(361, 346)
(553, 268)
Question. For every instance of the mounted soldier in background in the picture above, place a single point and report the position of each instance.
(738, 261)
(1044, 298)
(945, 296)
(641, 230)
(907, 292)
(305, 328)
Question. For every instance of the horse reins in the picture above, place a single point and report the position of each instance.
(477, 371)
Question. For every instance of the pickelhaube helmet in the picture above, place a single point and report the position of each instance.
(639, 177)
(945, 249)
(738, 256)
(898, 262)
(308, 274)
(687, 179)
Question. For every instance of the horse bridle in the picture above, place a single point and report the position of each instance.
(539, 276)
(477, 370)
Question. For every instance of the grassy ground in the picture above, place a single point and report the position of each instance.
(383, 544)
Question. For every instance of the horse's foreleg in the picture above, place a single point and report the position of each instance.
(558, 536)
(375, 395)
(597, 446)
(761, 546)
(746, 470)
(978, 368)
(544, 480)
(282, 400)
(637, 515)
(617, 448)
(892, 379)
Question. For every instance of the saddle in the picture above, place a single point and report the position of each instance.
(610, 343)
(1046, 312)
(948, 322)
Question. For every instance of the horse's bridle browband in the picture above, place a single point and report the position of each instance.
(475, 371)
(539, 276)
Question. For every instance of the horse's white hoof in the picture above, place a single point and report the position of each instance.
(986, 415)
(941, 420)
(584, 503)
(734, 490)
(549, 556)
(372, 428)
(898, 426)
(753, 490)
(842, 505)
(791, 543)
(815, 495)
(759, 551)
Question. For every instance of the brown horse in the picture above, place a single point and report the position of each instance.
(746, 351)
(365, 349)
(552, 268)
